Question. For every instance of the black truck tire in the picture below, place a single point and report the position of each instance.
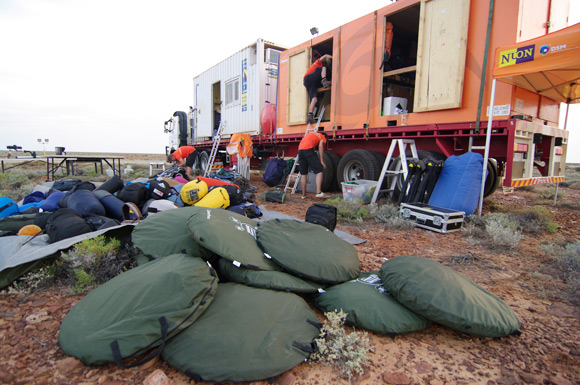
(358, 164)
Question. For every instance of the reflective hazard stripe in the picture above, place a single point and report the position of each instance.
(540, 180)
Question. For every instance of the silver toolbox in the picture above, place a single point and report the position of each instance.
(433, 218)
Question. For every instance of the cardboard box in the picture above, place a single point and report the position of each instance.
(391, 103)
(361, 189)
(433, 218)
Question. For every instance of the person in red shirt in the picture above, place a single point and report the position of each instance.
(184, 156)
(307, 158)
(314, 77)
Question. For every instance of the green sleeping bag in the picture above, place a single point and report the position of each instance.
(138, 310)
(166, 233)
(231, 236)
(247, 334)
(370, 306)
(275, 280)
(309, 251)
(442, 295)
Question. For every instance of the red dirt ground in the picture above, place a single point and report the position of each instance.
(547, 352)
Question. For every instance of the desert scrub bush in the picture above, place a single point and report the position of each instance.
(497, 230)
(568, 262)
(352, 211)
(16, 185)
(93, 262)
(347, 352)
(389, 214)
(32, 281)
(494, 206)
(548, 192)
(503, 231)
(535, 221)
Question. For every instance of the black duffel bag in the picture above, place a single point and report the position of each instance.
(322, 214)
(65, 223)
(135, 192)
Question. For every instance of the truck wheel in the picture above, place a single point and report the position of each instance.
(492, 179)
(358, 164)
(335, 160)
(203, 160)
(328, 173)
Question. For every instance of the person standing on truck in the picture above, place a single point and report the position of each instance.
(307, 157)
(184, 156)
(313, 79)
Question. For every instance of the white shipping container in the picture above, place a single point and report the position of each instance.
(236, 90)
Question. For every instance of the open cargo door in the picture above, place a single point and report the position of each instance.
(442, 44)
(297, 97)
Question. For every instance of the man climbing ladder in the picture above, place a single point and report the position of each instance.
(313, 79)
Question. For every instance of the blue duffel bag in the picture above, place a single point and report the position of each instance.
(84, 202)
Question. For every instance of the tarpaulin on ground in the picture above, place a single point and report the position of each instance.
(18, 250)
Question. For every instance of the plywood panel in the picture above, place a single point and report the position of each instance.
(559, 11)
(297, 95)
(532, 20)
(441, 54)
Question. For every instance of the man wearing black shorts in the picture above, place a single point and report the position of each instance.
(307, 158)
(313, 79)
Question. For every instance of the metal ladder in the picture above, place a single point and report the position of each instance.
(402, 144)
(296, 176)
(214, 148)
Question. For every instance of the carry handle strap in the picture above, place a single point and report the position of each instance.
(315, 323)
(308, 348)
(6, 206)
(117, 351)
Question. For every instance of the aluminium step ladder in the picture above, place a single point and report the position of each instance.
(402, 169)
(214, 149)
(296, 176)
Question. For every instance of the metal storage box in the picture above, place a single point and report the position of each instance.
(433, 218)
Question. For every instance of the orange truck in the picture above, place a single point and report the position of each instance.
(421, 70)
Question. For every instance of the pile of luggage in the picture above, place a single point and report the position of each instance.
(67, 208)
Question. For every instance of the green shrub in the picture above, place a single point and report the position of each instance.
(32, 281)
(569, 264)
(84, 281)
(16, 185)
(93, 262)
(389, 214)
(496, 230)
(352, 211)
(535, 221)
(347, 352)
(502, 230)
(98, 246)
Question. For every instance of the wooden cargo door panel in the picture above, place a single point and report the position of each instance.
(441, 54)
(297, 96)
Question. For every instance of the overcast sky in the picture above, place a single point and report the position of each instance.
(103, 75)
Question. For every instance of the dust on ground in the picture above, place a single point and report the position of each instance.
(547, 352)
